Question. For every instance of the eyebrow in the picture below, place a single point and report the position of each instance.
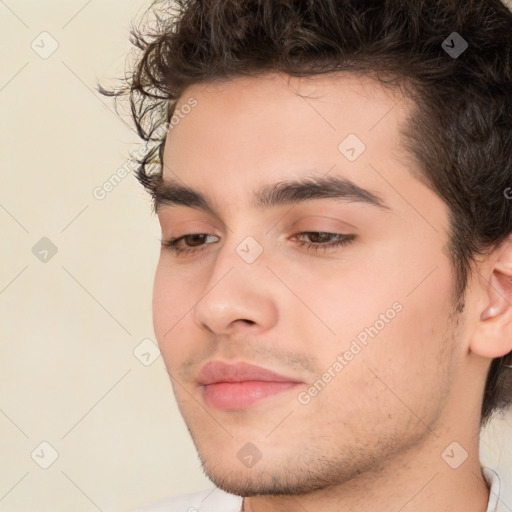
(170, 192)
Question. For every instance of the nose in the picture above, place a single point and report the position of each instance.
(238, 296)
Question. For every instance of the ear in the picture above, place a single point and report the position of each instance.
(493, 334)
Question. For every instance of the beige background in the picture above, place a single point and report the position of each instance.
(69, 325)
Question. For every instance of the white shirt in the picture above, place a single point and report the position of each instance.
(216, 500)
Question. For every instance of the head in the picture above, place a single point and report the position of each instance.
(344, 117)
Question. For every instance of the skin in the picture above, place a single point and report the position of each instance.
(373, 437)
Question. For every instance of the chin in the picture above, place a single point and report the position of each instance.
(268, 477)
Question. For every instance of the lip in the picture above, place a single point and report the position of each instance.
(239, 385)
(218, 371)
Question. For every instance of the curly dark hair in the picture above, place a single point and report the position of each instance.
(463, 103)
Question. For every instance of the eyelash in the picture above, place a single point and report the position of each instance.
(172, 243)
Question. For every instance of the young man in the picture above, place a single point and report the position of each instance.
(333, 296)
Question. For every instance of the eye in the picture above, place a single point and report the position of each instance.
(194, 243)
(321, 236)
(195, 239)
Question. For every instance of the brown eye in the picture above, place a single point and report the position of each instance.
(319, 237)
(320, 240)
(192, 240)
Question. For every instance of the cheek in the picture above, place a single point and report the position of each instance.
(163, 302)
(411, 273)
(173, 292)
(172, 300)
(389, 312)
(402, 368)
(394, 384)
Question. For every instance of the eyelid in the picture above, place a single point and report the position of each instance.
(343, 224)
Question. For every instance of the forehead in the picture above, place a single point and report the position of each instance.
(278, 87)
(325, 105)
(278, 115)
(250, 131)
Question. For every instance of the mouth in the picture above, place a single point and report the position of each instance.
(240, 385)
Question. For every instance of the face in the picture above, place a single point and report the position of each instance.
(340, 296)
